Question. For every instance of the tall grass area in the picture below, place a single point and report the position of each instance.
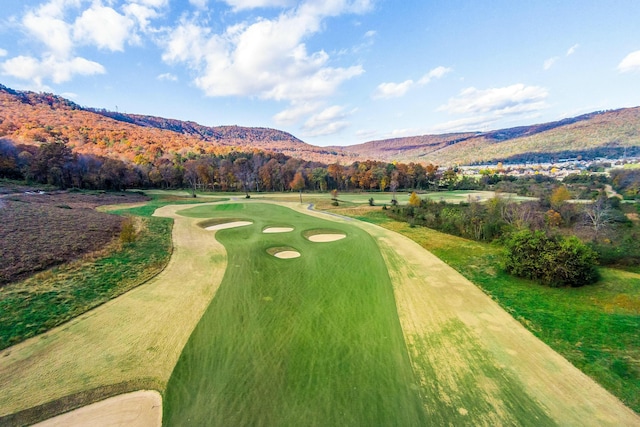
(595, 327)
(48, 299)
(313, 340)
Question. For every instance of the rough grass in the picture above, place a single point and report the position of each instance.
(594, 327)
(37, 304)
(308, 341)
(38, 229)
(124, 345)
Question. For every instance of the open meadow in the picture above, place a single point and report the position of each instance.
(274, 322)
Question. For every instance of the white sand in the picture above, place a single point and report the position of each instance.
(229, 225)
(326, 237)
(287, 254)
(277, 230)
(138, 409)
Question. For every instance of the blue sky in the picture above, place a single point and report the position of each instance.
(331, 72)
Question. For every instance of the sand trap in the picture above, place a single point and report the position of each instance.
(277, 230)
(287, 254)
(228, 225)
(326, 237)
(140, 409)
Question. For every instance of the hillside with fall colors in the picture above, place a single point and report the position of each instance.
(610, 134)
(35, 118)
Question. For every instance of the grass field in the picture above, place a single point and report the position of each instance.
(308, 341)
(595, 327)
(368, 330)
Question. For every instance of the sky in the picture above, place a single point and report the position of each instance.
(330, 72)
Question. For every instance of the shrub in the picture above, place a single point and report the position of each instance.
(128, 231)
(414, 199)
(551, 260)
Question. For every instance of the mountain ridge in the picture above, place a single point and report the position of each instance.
(34, 118)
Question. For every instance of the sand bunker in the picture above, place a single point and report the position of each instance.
(226, 225)
(326, 237)
(283, 252)
(287, 254)
(277, 230)
(140, 408)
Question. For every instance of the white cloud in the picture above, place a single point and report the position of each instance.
(253, 4)
(548, 63)
(53, 68)
(266, 58)
(369, 34)
(513, 99)
(22, 67)
(572, 49)
(46, 25)
(436, 73)
(167, 77)
(467, 124)
(104, 27)
(151, 3)
(3, 52)
(392, 90)
(201, 4)
(297, 111)
(631, 62)
(141, 13)
(396, 90)
(56, 28)
(327, 122)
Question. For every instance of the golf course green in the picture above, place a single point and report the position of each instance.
(313, 340)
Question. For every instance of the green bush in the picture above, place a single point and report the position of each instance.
(551, 260)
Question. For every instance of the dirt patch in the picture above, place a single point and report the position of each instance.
(140, 409)
(226, 225)
(277, 230)
(43, 230)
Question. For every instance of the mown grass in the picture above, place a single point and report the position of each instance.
(595, 327)
(313, 340)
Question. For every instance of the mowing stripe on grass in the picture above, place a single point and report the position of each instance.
(313, 340)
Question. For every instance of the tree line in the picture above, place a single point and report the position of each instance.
(56, 164)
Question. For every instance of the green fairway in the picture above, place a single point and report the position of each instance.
(313, 340)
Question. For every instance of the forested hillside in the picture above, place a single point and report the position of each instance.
(34, 118)
(600, 134)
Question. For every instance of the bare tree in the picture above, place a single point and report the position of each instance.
(598, 216)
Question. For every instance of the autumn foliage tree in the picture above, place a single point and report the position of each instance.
(298, 183)
(414, 199)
